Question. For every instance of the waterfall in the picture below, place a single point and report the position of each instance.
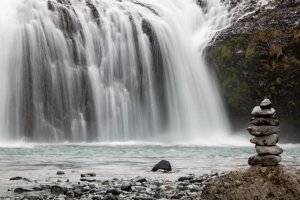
(109, 70)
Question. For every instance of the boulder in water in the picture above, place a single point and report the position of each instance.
(164, 165)
(60, 173)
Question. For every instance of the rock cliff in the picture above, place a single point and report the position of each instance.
(259, 57)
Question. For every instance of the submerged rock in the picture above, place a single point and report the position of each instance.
(269, 140)
(276, 182)
(21, 190)
(164, 165)
(15, 178)
(60, 173)
(267, 160)
(268, 150)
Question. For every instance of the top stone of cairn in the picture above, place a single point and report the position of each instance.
(264, 109)
(266, 104)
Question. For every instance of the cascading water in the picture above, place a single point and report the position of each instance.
(108, 70)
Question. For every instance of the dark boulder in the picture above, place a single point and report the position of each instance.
(21, 190)
(164, 165)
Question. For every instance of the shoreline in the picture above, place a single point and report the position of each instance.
(89, 186)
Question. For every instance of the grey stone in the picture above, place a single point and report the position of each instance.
(109, 197)
(56, 189)
(268, 150)
(263, 130)
(269, 140)
(238, 183)
(60, 173)
(31, 196)
(197, 181)
(226, 184)
(266, 103)
(258, 111)
(268, 160)
(196, 189)
(139, 179)
(15, 178)
(21, 190)
(264, 121)
(113, 191)
(160, 194)
(164, 165)
(184, 178)
(126, 186)
(91, 174)
(96, 197)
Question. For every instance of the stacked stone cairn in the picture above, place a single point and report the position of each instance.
(265, 129)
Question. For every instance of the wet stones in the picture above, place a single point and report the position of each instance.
(265, 130)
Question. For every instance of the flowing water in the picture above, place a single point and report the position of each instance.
(108, 70)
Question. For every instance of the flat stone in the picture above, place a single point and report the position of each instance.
(268, 160)
(258, 111)
(31, 196)
(264, 122)
(21, 190)
(139, 179)
(266, 104)
(269, 140)
(268, 150)
(15, 178)
(263, 130)
(113, 191)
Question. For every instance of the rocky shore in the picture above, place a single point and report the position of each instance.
(89, 186)
(258, 57)
(256, 182)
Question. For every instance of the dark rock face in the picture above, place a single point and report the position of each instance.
(164, 165)
(258, 57)
(258, 182)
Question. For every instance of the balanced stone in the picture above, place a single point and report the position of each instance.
(269, 140)
(264, 121)
(266, 104)
(268, 160)
(268, 150)
(265, 112)
(263, 130)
